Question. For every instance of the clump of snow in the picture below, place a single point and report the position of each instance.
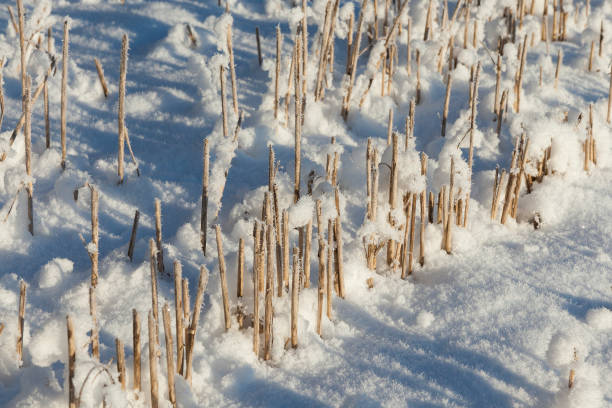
(301, 212)
(425, 319)
(54, 272)
(600, 318)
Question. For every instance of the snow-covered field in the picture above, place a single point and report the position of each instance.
(514, 316)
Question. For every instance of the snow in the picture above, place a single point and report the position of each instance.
(502, 321)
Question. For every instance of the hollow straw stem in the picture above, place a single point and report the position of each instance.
(94, 236)
(269, 310)
(72, 403)
(277, 71)
(306, 259)
(449, 84)
(321, 287)
(120, 362)
(193, 326)
(136, 347)
(223, 101)
(240, 269)
(27, 107)
(230, 51)
(152, 258)
(224, 291)
(100, 77)
(259, 58)
(133, 235)
(256, 276)
(121, 110)
(158, 237)
(21, 321)
(169, 355)
(95, 337)
(153, 362)
(295, 285)
(204, 209)
(178, 308)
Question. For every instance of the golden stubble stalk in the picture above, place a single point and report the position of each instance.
(64, 94)
(225, 294)
(121, 120)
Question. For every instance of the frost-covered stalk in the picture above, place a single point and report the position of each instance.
(354, 58)
(431, 205)
(558, 69)
(389, 125)
(204, 210)
(502, 108)
(590, 64)
(289, 84)
(609, 116)
(152, 261)
(393, 175)
(329, 34)
(101, 77)
(120, 362)
(517, 189)
(497, 193)
(240, 268)
(2, 93)
(508, 197)
(372, 248)
(339, 254)
(283, 275)
(133, 235)
(601, 39)
(408, 48)
(64, 94)
(349, 43)
(295, 285)
(277, 72)
(472, 130)
(12, 16)
(158, 237)
(304, 43)
(368, 176)
(518, 85)
(449, 84)
(22, 46)
(121, 119)
(72, 403)
(298, 123)
(153, 361)
(178, 308)
(410, 124)
(230, 51)
(190, 338)
(475, 38)
(329, 268)
(21, 321)
(223, 101)
(259, 58)
(93, 252)
(256, 274)
(136, 347)
(412, 234)
(467, 26)
(95, 343)
(169, 355)
(27, 109)
(426, 35)
(498, 84)
(306, 259)
(422, 231)
(269, 310)
(45, 96)
(418, 72)
(321, 288)
(448, 225)
(224, 291)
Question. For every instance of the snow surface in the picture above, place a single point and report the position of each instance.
(499, 323)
